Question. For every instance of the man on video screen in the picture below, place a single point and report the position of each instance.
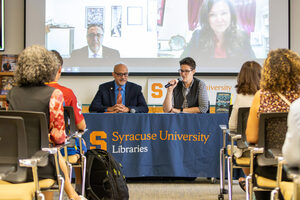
(95, 49)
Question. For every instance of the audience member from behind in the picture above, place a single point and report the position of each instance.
(120, 95)
(219, 36)
(70, 100)
(291, 146)
(35, 66)
(279, 87)
(248, 82)
(95, 48)
(69, 96)
(188, 95)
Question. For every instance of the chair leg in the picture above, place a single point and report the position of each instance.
(70, 171)
(62, 184)
(296, 187)
(40, 196)
(229, 178)
(248, 190)
(274, 194)
(222, 175)
(222, 172)
(83, 167)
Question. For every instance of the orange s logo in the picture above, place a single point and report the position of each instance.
(156, 90)
(94, 141)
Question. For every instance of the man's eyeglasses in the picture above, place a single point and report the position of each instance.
(121, 74)
(91, 35)
(184, 71)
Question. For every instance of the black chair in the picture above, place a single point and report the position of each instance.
(272, 131)
(288, 189)
(77, 160)
(13, 160)
(13, 146)
(227, 152)
(36, 127)
(240, 138)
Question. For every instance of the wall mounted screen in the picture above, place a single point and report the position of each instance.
(151, 36)
(2, 25)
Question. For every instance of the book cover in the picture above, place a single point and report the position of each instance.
(8, 63)
(7, 84)
(223, 102)
(2, 105)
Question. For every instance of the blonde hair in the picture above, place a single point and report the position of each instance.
(35, 66)
(281, 71)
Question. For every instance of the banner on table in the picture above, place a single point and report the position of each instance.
(185, 145)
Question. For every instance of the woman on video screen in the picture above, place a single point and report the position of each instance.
(219, 36)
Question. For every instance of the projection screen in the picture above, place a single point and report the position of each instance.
(151, 36)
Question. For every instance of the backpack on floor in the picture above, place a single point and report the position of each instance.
(104, 179)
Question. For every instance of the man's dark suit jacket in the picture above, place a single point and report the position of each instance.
(83, 53)
(105, 98)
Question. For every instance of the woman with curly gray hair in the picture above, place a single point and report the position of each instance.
(36, 66)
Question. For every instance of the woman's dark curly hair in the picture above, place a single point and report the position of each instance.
(281, 71)
(35, 66)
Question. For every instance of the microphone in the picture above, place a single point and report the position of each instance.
(169, 84)
(132, 110)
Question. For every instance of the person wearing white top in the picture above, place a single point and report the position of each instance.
(241, 101)
(291, 146)
(247, 85)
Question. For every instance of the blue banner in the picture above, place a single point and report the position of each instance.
(177, 145)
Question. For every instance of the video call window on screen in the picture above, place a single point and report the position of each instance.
(161, 28)
(153, 35)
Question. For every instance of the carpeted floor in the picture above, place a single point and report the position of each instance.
(165, 189)
(178, 190)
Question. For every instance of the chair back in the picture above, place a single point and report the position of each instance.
(272, 131)
(70, 124)
(13, 146)
(36, 127)
(230, 111)
(208, 110)
(243, 114)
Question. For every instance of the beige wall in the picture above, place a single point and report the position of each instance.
(85, 87)
(14, 26)
(295, 26)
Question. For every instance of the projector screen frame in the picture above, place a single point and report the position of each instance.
(158, 73)
(2, 18)
(144, 74)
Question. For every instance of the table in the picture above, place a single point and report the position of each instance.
(165, 145)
